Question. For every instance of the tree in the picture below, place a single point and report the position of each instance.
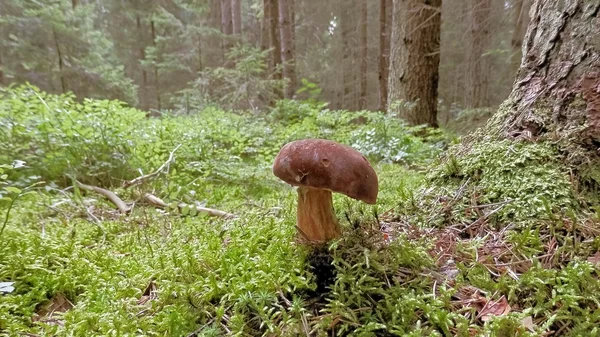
(236, 16)
(349, 46)
(364, 53)
(385, 24)
(286, 12)
(478, 69)
(274, 35)
(557, 89)
(415, 58)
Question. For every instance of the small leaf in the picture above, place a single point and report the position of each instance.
(12, 189)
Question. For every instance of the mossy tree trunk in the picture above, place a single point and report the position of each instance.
(557, 89)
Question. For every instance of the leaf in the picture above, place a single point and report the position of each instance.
(494, 308)
(12, 189)
(6, 287)
(528, 323)
(58, 304)
(594, 259)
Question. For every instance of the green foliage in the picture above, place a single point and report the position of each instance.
(55, 135)
(61, 49)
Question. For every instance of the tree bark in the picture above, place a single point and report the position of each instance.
(274, 36)
(265, 39)
(364, 48)
(385, 24)
(415, 58)
(287, 46)
(478, 65)
(557, 90)
(236, 16)
(74, 3)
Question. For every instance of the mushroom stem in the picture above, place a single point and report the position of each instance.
(316, 218)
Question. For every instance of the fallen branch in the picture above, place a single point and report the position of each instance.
(158, 202)
(121, 205)
(143, 178)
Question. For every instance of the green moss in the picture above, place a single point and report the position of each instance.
(529, 175)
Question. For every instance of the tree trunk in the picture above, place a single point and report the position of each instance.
(236, 16)
(143, 95)
(265, 38)
(215, 41)
(415, 58)
(74, 3)
(61, 71)
(348, 29)
(385, 25)
(156, 78)
(557, 90)
(363, 25)
(287, 46)
(520, 20)
(226, 28)
(478, 68)
(275, 43)
(1, 70)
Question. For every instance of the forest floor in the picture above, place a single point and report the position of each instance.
(458, 245)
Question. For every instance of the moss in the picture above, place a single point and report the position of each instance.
(529, 175)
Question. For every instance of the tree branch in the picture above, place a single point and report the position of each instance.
(157, 202)
(121, 205)
(143, 178)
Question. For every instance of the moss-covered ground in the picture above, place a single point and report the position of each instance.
(490, 238)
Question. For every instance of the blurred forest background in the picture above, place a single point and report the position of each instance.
(182, 55)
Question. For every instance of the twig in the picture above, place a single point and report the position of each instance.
(121, 205)
(143, 178)
(157, 202)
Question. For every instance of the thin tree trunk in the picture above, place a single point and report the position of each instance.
(226, 28)
(74, 3)
(216, 42)
(414, 61)
(363, 46)
(63, 80)
(478, 69)
(287, 47)
(156, 78)
(347, 27)
(1, 70)
(520, 20)
(275, 43)
(143, 96)
(557, 89)
(385, 25)
(265, 38)
(236, 16)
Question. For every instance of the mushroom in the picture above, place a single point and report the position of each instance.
(319, 167)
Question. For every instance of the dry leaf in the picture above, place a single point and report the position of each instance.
(58, 304)
(494, 308)
(594, 259)
(528, 323)
(150, 293)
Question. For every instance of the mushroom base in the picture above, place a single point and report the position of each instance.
(316, 218)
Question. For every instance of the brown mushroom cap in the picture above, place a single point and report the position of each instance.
(324, 164)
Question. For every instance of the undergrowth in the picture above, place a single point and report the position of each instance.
(491, 239)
